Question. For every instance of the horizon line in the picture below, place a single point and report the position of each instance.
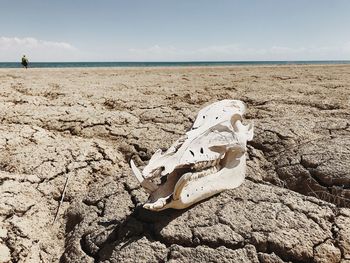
(189, 61)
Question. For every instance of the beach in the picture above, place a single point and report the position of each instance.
(81, 127)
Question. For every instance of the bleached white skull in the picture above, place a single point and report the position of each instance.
(208, 159)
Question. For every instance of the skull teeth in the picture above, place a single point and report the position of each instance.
(156, 173)
(209, 171)
(204, 165)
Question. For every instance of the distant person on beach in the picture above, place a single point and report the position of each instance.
(25, 61)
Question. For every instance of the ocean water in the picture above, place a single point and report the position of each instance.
(164, 64)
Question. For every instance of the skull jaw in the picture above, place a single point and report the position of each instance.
(189, 190)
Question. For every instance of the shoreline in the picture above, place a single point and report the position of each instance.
(180, 67)
(189, 64)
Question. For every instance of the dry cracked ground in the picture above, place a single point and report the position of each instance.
(80, 127)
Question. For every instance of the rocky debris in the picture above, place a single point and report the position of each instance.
(84, 125)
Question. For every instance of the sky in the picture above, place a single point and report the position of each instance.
(181, 30)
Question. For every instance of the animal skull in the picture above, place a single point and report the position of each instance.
(208, 159)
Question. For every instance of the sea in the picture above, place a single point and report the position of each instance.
(166, 64)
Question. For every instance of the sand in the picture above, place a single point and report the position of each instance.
(85, 124)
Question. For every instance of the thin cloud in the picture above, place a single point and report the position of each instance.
(11, 48)
(31, 42)
(240, 52)
(155, 53)
(236, 52)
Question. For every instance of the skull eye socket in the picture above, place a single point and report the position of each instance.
(202, 151)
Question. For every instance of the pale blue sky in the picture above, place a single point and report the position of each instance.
(182, 30)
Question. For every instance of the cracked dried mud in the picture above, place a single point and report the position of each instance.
(84, 125)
